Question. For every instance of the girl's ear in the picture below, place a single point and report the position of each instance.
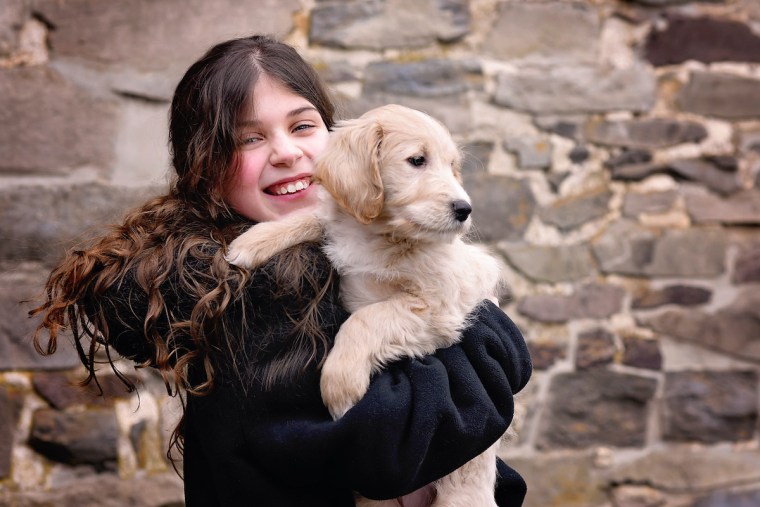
(349, 168)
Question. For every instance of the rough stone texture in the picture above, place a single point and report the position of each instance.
(595, 348)
(43, 221)
(644, 134)
(476, 157)
(502, 206)
(703, 39)
(733, 329)
(641, 353)
(592, 301)
(16, 329)
(742, 208)
(121, 35)
(545, 354)
(682, 295)
(637, 496)
(61, 389)
(747, 265)
(596, 407)
(730, 498)
(548, 263)
(574, 211)
(628, 157)
(533, 153)
(388, 24)
(544, 31)
(567, 89)
(635, 204)
(76, 437)
(57, 126)
(10, 408)
(687, 253)
(705, 171)
(721, 95)
(12, 15)
(710, 407)
(104, 490)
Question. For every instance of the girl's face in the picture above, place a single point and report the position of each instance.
(282, 135)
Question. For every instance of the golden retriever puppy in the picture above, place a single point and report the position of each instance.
(393, 215)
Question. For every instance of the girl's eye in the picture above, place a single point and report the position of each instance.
(251, 139)
(303, 126)
(417, 161)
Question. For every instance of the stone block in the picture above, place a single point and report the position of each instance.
(16, 329)
(150, 36)
(729, 498)
(681, 295)
(62, 390)
(551, 31)
(502, 206)
(592, 301)
(545, 354)
(707, 172)
(721, 95)
(44, 221)
(89, 437)
(571, 212)
(635, 204)
(642, 353)
(710, 406)
(647, 134)
(10, 408)
(704, 39)
(577, 89)
(533, 153)
(596, 348)
(597, 407)
(388, 24)
(476, 156)
(12, 16)
(747, 264)
(57, 125)
(741, 208)
(549, 263)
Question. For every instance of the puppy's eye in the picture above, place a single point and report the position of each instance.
(417, 161)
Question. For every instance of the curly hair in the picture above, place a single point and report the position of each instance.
(191, 222)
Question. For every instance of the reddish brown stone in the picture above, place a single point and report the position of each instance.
(545, 354)
(641, 353)
(62, 390)
(595, 348)
(682, 295)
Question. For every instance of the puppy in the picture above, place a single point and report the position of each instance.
(392, 218)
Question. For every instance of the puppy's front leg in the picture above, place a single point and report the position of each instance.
(264, 240)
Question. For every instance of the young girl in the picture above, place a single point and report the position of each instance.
(247, 121)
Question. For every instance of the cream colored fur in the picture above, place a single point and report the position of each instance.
(407, 276)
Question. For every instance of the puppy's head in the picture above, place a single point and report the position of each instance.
(398, 169)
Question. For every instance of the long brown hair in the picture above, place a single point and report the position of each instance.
(191, 222)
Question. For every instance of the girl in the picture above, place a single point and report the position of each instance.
(246, 122)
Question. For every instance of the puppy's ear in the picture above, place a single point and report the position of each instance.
(349, 169)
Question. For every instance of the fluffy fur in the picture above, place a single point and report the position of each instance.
(393, 216)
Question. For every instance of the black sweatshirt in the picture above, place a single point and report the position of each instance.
(246, 445)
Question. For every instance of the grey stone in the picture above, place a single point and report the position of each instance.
(682, 295)
(703, 39)
(548, 263)
(104, 490)
(685, 469)
(476, 157)
(729, 498)
(732, 330)
(531, 153)
(596, 407)
(595, 348)
(574, 89)
(563, 126)
(62, 390)
(710, 406)
(704, 171)
(742, 208)
(747, 265)
(649, 133)
(43, 221)
(642, 353)
(502, 206)
(144, 35)
(57, 126)
(545, 31)
(591, 301)
(16, 329)
(626, 248)
(578, 154)
(381, 24)
(428, 78)
(721, 95)
(629, 157)
(634, 204)
(11, 402)
(571, 212)
(75, 438)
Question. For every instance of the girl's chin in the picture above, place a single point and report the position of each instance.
(298, 201)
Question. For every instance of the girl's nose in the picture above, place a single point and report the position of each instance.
(285, 152)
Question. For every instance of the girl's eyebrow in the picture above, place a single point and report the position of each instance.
(290, 114)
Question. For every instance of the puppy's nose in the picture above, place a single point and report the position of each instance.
(462, 210)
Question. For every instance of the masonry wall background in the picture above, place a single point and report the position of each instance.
(613, 160)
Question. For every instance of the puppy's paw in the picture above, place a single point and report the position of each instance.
(342, 385)
(247, 251)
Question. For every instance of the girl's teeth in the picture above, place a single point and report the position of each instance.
(291, 188)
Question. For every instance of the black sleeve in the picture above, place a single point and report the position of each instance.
(420, 419)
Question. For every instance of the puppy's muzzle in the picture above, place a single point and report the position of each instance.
(461, 209)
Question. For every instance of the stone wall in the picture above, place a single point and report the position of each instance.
(613, 160)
